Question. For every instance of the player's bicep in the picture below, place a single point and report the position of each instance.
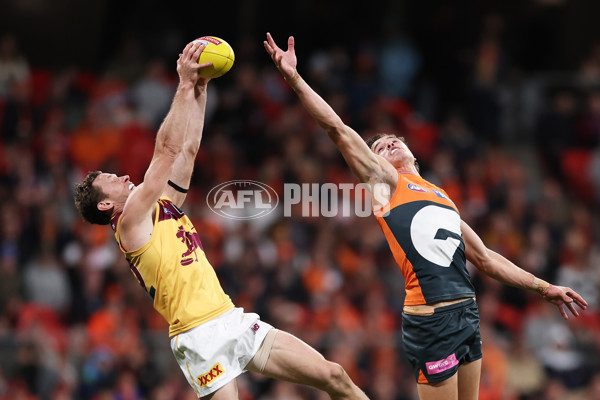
(176, 196)
(142, 200)
(180, 177)
(475, 251)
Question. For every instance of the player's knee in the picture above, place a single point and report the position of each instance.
(335, 372)
(337, 380)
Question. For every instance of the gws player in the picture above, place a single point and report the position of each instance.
(430, 244)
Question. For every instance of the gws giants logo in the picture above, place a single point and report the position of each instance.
(215, 372)
(242, 199)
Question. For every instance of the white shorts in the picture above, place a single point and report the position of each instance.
(216, 352)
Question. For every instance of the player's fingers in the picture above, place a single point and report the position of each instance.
(195, 56)
(580, 302)
(199, 49)
(188, 46)
(572, 309)
(291, 43)
(187, 50)
(195, 48)
(271, 41)
(562, 311)
(206, 64)
(577, 298)
(268, 48)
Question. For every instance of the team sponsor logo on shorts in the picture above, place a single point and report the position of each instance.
(215, 372)
(435, 367)
(417, 188)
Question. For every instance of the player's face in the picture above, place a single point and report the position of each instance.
(116, 188)
(393, 149)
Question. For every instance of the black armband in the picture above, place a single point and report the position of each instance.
(177, 187)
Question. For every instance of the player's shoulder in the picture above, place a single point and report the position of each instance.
(168, 209)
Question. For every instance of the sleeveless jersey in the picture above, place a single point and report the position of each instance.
(173, 269)
(422, 227)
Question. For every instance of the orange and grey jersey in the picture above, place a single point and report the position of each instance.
(423, 229)
(173, 269)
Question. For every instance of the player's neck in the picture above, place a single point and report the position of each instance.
(408, 170)
(117, 209)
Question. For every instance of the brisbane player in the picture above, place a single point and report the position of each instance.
(212, 340)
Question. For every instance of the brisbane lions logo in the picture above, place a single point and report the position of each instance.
(192, 242)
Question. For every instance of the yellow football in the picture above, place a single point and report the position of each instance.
(217, 51)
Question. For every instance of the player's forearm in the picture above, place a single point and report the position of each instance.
(497, 266)
(194, 132)
(503, 270)
(317, 107)
(184, 164)
(171, 134)
(358, 156)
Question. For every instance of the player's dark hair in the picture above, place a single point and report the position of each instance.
(371, 141)
(87, 198)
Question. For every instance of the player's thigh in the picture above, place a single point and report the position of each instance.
(446, 389)
(469, 375)
(295, 361)
(229, 391)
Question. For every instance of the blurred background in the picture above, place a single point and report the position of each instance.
(499, 101)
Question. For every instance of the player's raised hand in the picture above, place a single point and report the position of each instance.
(284, 60)
(187, 64)
(560, 295)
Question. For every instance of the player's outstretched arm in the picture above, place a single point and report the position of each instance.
(168, 146)
(367, 166)
(501, 269)
(184, 164)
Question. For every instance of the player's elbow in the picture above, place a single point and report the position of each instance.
(190, 148)
(169, 149)
(334, 127)
(482, 260)
(338, 134)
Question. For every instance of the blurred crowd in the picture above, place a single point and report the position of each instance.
(74, 323)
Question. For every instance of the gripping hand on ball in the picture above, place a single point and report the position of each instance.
(284, 60)
(187, 64)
